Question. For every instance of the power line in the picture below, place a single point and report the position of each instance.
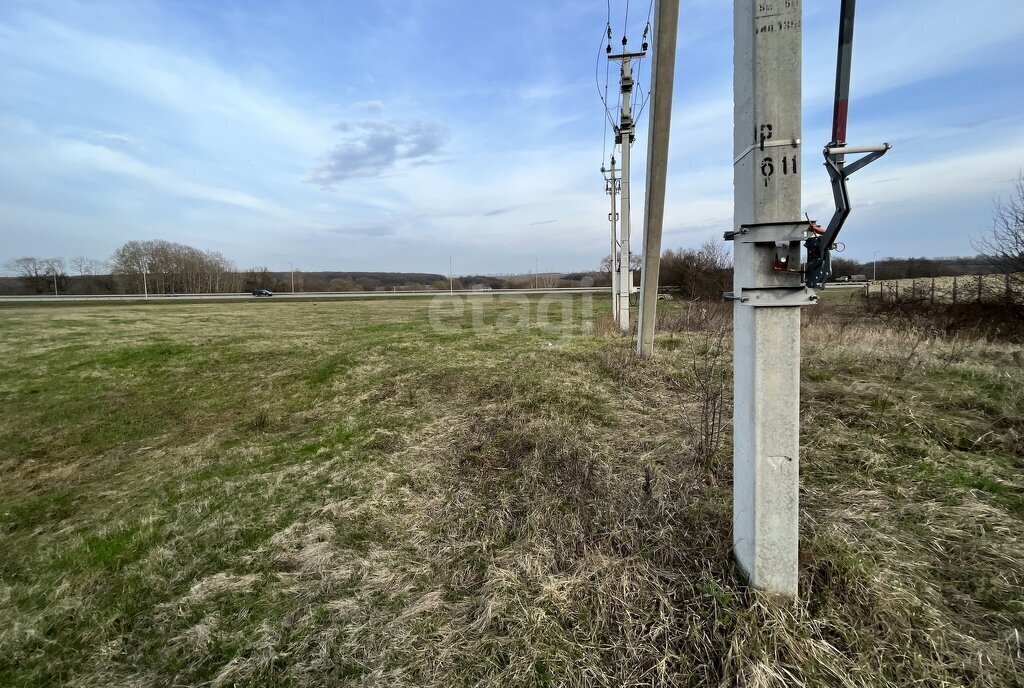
(644, 45)
(597, 83)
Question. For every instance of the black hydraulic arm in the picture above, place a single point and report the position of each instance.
(819, 248)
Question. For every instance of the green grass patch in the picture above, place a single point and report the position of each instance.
(360, 492)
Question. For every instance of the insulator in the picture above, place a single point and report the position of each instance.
(644, 46)
(624, 41)
(608, 49)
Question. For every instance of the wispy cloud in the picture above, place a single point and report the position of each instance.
(375, 147)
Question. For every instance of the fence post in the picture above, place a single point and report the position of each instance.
(954, 290)
(896, 292)
(979, 288)
(1009, 293)
(933, 291)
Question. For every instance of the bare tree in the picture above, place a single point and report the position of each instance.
(1004, 245)
(31, 271)
(40, 274)
(170, 267)
(82, 265)
(698, 273)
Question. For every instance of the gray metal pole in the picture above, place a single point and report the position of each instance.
(663, 70)
(613, 267)
(626, 131)
(766, 340)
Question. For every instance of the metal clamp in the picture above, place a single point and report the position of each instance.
(794, 143)
(777, 297)
(770, 232)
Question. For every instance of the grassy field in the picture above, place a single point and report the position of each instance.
(370, 494)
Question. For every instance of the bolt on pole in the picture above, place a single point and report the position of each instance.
(768, 291)
(663, 68)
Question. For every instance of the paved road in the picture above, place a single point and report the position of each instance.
(65, 298)
(307, 295)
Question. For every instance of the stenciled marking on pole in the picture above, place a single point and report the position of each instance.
(773, 163)
(770, 17)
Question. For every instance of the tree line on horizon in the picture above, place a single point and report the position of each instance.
(159, 267)
(164, 267)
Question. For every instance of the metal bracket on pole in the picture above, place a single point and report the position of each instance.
(770, 232)
(774, 243)
(774, 297)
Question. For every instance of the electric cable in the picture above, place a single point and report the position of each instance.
(625, 24)
(597, 79)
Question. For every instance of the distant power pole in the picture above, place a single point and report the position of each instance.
(611, 187)
(768, 291)
(291, 268)
(624, 135)
(663, 69)
(451, 278)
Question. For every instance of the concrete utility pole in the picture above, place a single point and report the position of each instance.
(624, 135)
(768, 291)
(663, 70)
(291, 269)
(612, 189)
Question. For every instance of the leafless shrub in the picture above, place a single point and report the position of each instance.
(695, 316)
(708, 368)
(702, 273)
(1005, 243)
(986, 319)
(606, 326)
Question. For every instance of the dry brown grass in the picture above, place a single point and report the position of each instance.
(352, 499)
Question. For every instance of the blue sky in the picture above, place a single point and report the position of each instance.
(390, 135)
